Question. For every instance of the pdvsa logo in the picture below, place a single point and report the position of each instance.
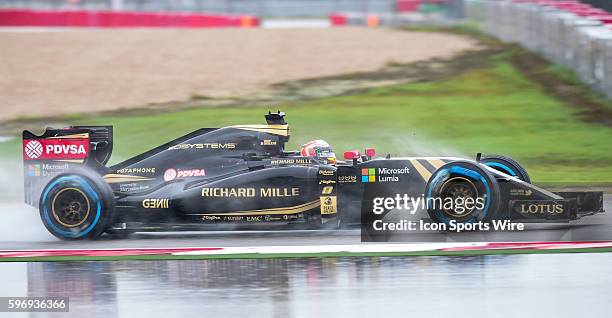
(33, 149)
(56, 149)
(171, 174)
(65, 149)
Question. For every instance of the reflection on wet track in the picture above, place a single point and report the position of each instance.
(490, 286)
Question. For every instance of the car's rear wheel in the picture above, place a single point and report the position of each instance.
(76, 206)
(464, 192)
(506, 165)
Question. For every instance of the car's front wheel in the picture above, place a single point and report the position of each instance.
(463, 192)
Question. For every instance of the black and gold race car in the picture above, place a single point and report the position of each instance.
(242, 177)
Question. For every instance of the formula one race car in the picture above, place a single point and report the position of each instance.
(242, 176)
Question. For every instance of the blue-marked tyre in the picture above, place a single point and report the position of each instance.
(506, 165)
(464, 192)
(76, 205)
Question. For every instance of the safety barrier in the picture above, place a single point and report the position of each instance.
(407, 5)
(389, 20)
(569, 33)
(120, 19)
(406, 13)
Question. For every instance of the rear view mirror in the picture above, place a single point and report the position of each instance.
(370, 152)
(351, 154)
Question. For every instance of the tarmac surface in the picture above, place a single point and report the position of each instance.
(24, 230)
(460, 286)
(542, 285)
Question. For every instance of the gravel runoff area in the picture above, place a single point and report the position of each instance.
(50, 73)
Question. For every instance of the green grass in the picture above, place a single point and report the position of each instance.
(493, 109)
(299, 255)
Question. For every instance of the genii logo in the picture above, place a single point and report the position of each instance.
(52, 149)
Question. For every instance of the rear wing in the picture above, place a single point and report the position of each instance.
(56, 150)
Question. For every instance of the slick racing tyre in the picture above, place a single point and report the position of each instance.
(462, 191)
(506, 165)
(76, 205)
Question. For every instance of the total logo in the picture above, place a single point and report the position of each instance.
(384, 174)
(55, 149)
(171, 174)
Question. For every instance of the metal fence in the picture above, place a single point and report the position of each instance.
(579, 43)
(475, 9)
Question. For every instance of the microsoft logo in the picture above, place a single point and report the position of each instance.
(34, 171)
(368, 175)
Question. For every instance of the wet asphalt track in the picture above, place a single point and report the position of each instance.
(467, 286)
(23, 230)
(544, 285)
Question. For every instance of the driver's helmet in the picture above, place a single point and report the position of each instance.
(320, 150)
